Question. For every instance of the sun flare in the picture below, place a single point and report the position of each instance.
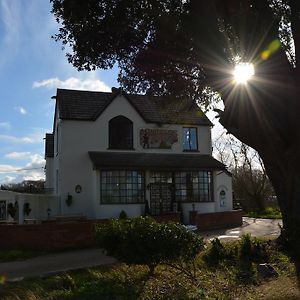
(243, 72)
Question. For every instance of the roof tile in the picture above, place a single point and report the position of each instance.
(87, 105)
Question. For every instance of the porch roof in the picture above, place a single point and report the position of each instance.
(154, 161)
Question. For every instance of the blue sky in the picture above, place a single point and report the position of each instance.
(32, 66)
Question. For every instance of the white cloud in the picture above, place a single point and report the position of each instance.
(21, 110)
(34, 170)
(33, 138)
(7, 168)
(8, 179)
(91, 84)
(10, 16)
(5, 125)
(18, 155)
(17, 140)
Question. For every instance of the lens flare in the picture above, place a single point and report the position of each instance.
(243, 72)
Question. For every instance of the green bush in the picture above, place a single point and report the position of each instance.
(252, 249)
(123, 215)
(144, 241)
(215, 253)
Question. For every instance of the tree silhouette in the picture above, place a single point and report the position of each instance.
(188, 49)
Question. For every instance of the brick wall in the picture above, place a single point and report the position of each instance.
(216, 220)
(171, 217)
(47, 236)
(56, 236)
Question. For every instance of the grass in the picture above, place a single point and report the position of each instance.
(268, 213)
(13, 255)
(222, 271)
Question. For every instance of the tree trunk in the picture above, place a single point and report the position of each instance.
(265, 116)
(284, 173)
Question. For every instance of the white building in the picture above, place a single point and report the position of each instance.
(112, 151)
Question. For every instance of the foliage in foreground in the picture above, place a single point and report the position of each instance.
(144, 241)
(232, 276)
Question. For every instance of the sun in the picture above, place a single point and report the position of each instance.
(243, 72)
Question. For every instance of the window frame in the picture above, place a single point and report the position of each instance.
(202, 186)
(113, 127)
(119, 190)
(184, 139)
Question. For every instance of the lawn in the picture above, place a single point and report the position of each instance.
(221, 271)
(268, 213)
(17, 254)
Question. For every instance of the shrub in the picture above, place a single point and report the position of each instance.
(252, 249)
(144, 241)
(123, 215)
(215, 253)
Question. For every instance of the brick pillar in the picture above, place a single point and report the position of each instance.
(193, 217)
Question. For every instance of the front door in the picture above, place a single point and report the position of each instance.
(160, 198)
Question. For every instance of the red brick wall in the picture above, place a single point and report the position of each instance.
(47, 236)
(172, 217)
(216, 220)
(55, 236)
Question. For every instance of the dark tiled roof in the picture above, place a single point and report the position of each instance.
(126, 160)
(49, 145)
(84, 105)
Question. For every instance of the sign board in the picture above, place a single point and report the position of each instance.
(158, 138)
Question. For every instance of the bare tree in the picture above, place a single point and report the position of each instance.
(251, 185)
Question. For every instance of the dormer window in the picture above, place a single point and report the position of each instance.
(120, 133)
(190, 142)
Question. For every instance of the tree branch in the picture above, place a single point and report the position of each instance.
(295, 24)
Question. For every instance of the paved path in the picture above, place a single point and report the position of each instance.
(54, 263)
(59, 262)
(255, 227)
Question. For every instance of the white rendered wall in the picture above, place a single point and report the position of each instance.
(222, 182)
(201, 208)
(77, 138)
(49, 183)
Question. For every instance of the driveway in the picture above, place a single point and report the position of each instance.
(255, 227)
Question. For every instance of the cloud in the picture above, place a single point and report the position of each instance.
(34, 138)
(91, 84)
(21, 110)
(7, 168)
(5, 125)
(18, 155)
(7, 180)
(15, 139)
(10, 16)
(33, 170)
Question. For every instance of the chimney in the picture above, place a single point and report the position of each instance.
(115, 90)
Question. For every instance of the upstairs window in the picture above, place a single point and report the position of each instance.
(120, 133)
(190, 142)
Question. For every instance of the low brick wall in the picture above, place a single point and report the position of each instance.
(167, 218)
(55, 235)
(217, 220)
(47, 236)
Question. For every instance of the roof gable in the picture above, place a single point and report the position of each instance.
(88, 106)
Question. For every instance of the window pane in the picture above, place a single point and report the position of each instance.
(122, 187)
(193, 186)
(120, 133)
(190, 138)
